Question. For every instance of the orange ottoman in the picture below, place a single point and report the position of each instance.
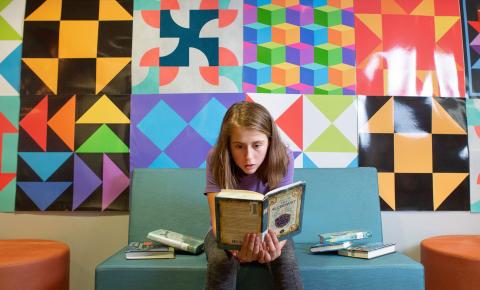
(34, 265)
(451, 262)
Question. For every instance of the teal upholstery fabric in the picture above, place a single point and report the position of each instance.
(336, 199)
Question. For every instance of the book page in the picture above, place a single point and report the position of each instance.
(240, 194)
(238, 217)
(284, 211)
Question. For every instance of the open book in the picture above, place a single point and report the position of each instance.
(239, 212)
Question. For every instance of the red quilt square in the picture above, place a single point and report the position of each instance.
(447, 8)
(368, 7)
(413, 34)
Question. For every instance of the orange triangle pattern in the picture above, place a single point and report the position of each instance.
(382, 120)
(112, 10)
(63, 123)
(444, 184)
(107, 69)
(443, 123)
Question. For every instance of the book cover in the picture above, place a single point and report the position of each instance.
(176, 240)
(368, 251)
(148, 250)
(320, 248)
(342, 236)
(239, 212)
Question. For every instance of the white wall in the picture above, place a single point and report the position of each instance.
(408, 229)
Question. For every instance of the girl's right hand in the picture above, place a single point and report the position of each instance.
(250, 249)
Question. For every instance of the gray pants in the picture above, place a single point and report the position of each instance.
(222, 268)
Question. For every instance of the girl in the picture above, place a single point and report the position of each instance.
(249, 155)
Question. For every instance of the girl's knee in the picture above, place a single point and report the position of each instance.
(221, 260)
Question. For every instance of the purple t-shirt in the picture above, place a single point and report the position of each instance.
(250, 181)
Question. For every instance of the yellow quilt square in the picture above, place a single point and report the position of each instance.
(413, 153)
(78, 39)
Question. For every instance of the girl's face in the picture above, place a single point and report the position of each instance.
(249, 148)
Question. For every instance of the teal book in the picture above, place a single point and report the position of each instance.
(177, 240)
(238, 212)
(343, 236)
(148, 250)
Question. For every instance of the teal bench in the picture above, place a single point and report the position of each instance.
(336, 199)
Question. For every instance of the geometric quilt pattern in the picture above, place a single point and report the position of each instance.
(77, 47)
(11, 31)
(419, 146)
(409, 48)
(320, 130)
(187, 47)
(471, 26)
(299, 47)
(176, 130)
(9, 108)
(473, 120)
(73, 153)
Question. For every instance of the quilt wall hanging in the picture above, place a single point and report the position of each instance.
(299, 47)
(11, 32)
(409, 48)
(187, 47)
(73, 151)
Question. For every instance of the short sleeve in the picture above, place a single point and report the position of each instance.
(288, 178)
(211, 183)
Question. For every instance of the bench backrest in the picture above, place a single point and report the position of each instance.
(336, 199)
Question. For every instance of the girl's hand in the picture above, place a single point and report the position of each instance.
(271, 249)
(250, 249)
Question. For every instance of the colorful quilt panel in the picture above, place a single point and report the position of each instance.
(187, 47)
(473, 118)
(73, 153)
(168, 133)
(321, 130)
(77, 47)
(11, 32)
(299, 47)
(471, 26)
(420, 148)
(9, 108)
(409, 48)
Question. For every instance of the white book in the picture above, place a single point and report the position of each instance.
(368, 251)
(319, 248)
(177, 240)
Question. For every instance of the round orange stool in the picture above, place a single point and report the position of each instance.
(34, 265)
(451, 262)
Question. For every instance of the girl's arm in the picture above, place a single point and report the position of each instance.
(211, 205)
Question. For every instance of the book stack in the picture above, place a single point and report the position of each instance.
(335, 241)
(352, 244)
(162, 244)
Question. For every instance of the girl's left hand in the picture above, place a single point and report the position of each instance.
(271, 249)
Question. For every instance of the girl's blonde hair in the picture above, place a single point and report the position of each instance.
(250, 116)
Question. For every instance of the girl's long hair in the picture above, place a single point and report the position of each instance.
(251, 116)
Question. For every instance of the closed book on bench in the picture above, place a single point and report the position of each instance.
(343, 236)
(239, 212)
(368, 251)
(177, 240)
(149, 250)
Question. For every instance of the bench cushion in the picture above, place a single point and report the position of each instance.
(394, 272)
